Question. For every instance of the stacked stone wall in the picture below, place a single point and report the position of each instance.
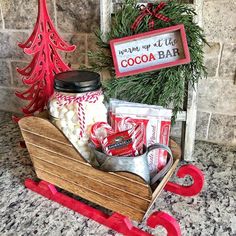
(76, 21)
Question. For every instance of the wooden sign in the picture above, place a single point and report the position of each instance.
(150, 51)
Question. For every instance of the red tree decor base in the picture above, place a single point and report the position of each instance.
(39, 74)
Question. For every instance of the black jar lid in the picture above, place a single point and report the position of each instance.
(77, 81)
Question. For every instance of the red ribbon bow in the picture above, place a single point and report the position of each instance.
(154, 13)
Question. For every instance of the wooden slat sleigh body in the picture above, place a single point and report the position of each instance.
(56, 161)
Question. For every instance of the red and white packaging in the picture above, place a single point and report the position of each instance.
(156, 122)
(115, 103)
(128, 141)
(132, 125)
(124, 143)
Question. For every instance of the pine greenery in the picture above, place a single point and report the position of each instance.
(165, 87)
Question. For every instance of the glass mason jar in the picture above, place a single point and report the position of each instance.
(76, 104)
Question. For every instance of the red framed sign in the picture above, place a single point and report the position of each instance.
(150, 51)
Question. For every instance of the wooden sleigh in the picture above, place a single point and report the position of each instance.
(56, 160)
(58, 163)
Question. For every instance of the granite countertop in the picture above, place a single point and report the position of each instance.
(23, 212)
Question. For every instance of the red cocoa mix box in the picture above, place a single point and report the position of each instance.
(114, 103)
(157, 123)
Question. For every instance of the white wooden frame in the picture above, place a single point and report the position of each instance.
(189, 115)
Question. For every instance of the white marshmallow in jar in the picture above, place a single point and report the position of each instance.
(76, 104)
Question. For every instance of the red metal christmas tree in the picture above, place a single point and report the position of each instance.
(39, 74)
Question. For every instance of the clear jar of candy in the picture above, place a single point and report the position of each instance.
(76, 104)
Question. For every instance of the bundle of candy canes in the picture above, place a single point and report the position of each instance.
(133, 125)
(127, 141)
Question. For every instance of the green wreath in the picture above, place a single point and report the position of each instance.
(165, 87)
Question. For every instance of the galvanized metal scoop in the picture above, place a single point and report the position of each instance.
(137, 165)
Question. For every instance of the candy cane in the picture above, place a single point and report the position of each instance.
(126, 124)
(99, 131)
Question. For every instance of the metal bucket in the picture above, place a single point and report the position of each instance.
(136, 165)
